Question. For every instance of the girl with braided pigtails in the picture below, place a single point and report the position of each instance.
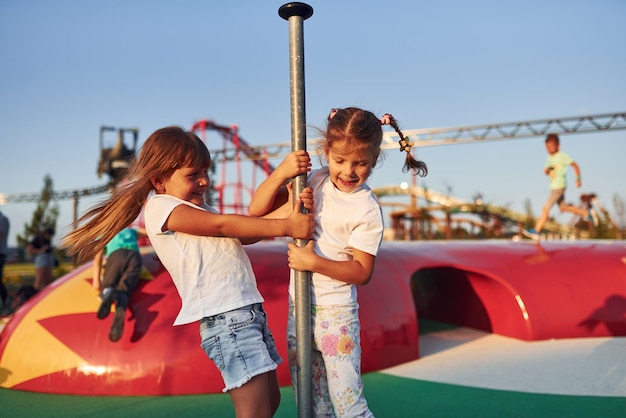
(348, 234)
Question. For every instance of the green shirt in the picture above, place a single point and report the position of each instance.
(559, 161)
(126, 238)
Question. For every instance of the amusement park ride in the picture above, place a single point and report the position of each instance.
(503, 287)
(115, 161)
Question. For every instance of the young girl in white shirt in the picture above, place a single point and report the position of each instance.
(202, 250)
(348, 233)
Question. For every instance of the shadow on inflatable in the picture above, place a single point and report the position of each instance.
(55, 344)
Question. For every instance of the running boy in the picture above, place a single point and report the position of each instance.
(556, 167)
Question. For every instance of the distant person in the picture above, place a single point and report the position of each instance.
(120, 277)
(348, 233)
(203, 252)
(4, 236)
(41, 248)
(556, 168)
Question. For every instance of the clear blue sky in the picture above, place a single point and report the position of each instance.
(69, 67)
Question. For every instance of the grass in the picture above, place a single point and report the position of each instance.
(20, 274)
(388, 397)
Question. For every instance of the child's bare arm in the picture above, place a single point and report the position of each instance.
(285, 209)
(356, 271)
(97, 270)
(190, 220)
(272, 193)
(577, 171)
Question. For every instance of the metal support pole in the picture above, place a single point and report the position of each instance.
(296, 13)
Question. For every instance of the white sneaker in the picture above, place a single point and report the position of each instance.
(531, 233)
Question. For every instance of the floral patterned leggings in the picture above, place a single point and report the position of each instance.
(336, 360)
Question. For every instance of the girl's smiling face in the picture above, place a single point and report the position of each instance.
(348, 169)
(188, 183)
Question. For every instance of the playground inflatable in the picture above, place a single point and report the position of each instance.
(55, 344)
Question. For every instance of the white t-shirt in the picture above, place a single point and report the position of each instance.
(212, 274)
(343, 222)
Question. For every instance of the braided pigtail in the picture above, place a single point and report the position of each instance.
(418, 167)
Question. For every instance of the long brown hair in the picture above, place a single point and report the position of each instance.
(166, 150)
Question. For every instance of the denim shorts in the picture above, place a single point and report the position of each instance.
(240, 344)
(44, 260)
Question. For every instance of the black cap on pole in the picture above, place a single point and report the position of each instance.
(295, 9)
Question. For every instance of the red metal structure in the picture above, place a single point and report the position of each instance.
(232, 141)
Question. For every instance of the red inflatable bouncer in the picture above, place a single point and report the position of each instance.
(55, 343)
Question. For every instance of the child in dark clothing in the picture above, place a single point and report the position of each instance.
(120, 277)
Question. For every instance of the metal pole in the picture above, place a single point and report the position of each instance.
(296, 13)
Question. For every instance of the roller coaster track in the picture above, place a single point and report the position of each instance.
(420, 137)
(447, 201)
(441, 201)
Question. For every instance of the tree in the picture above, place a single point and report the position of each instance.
(530, 217)
(45, 215)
